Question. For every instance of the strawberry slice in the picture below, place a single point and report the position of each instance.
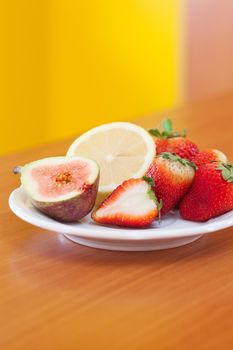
(172, 178)
(208, 156)
(132, 204)
(171, 141)
(211, 193)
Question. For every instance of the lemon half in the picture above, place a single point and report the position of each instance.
(122, 150)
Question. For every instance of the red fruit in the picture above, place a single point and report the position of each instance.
(211, 193)
(172, 178)
(173, 142)
(181, 146)
(209, 155)
(132, 204)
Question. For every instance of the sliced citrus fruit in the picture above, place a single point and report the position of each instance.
(122, 150)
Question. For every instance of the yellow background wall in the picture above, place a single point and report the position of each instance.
(70, 65)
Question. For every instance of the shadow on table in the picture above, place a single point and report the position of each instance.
(49, 247)
(50, 263)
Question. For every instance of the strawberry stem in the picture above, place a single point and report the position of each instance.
(17, 170)
(167, 131)
(167, 125)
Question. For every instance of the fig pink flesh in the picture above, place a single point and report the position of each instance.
(57, 180)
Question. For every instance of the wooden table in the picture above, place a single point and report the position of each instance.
(55, 294)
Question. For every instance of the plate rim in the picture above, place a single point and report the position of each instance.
(118, 233)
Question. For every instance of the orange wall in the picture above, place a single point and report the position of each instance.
(209, 47)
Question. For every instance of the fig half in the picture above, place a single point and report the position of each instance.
(64, 188)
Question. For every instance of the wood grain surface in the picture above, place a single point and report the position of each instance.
(55, 294)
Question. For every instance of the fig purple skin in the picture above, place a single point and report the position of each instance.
(73, 209)
(63, 188)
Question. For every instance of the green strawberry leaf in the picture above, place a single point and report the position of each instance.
(155, 132)
(185, 132)
(149, 180)
(152, 195)
(167, 131)
(227, 171)
(159, 204)
(167, 125)
(166, 155)
(159, 207)
(175, 158)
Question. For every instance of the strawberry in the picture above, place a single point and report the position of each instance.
(132, 204)
(208, 156)
(211, 193)
(172, 178)
(174, 142)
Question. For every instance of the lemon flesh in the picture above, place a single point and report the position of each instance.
(122, 150)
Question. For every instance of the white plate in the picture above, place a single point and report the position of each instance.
(173, 231)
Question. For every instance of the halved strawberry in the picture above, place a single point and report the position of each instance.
(211, 193)
(132, 204)
(172, 178)
(209, 155)
(171, 141)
